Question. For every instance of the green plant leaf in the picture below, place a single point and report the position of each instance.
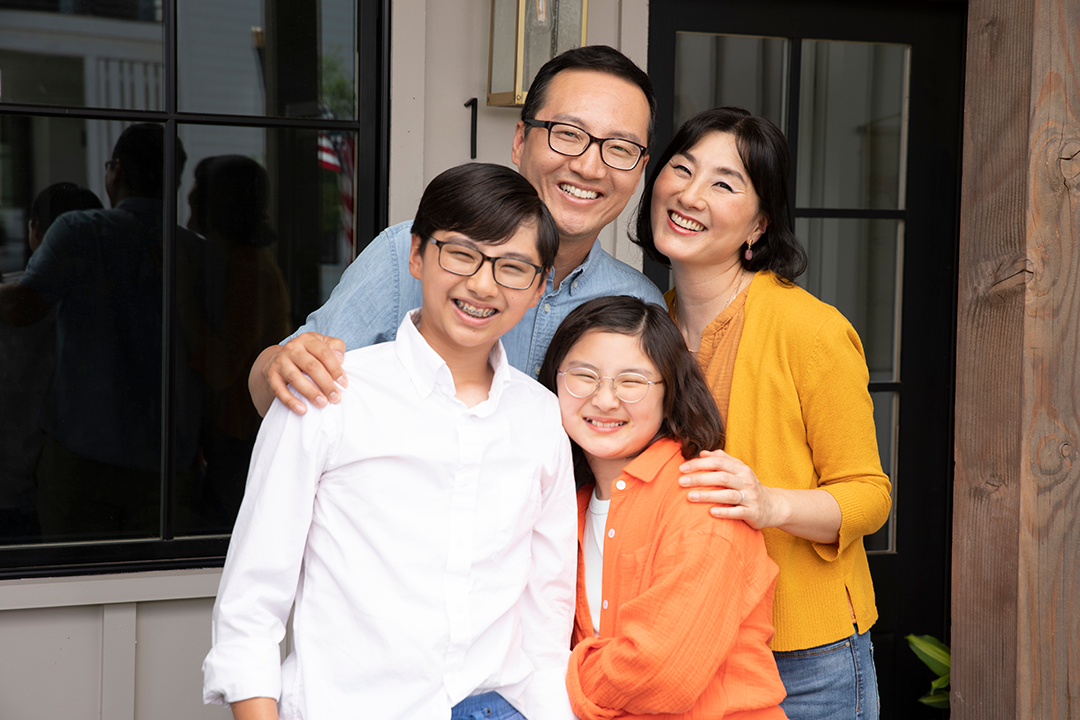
(939, 699)
(941, 682)
(931, 651)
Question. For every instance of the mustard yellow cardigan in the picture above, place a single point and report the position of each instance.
(801, 417)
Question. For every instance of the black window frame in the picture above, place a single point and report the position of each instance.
(371, 128)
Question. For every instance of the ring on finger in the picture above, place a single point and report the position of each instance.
(742, 498)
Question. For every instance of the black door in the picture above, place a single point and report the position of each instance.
(870, 96)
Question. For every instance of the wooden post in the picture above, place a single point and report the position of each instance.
(1016, 535)
(1049, 579)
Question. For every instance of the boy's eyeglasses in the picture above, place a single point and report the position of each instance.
(463, 260)
(628, 387)
(572, 141)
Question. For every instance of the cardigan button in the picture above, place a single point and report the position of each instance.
(611, 533)
(605, 605)
(620, 485)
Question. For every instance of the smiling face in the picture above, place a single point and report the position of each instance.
(608, 430)
(704, 207)
(466, 314)
(582, 193)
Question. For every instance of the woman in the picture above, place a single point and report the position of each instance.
(239, 303)
(674, 609)
(789, 376)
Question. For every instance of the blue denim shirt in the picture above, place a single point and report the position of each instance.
(376, 291)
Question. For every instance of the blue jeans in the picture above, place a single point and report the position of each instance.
(489, 706)
(831, 682)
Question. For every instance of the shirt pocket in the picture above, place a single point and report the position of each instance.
(631, 571)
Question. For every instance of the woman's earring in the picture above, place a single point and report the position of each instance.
(749, 253)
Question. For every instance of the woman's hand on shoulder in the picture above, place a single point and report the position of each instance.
(736, 493)
(733, 488)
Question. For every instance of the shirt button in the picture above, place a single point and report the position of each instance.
(547, 307)
(605, 605)
(574, 286)
(621, 485)
(611, 533)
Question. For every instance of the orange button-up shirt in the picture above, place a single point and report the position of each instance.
(686, 611)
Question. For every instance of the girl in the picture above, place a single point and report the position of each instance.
(674, 609)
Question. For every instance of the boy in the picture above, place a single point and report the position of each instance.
(425, 529)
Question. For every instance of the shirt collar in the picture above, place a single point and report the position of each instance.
(430, 373)
(647, 466)
(579, 275)
(147, 210)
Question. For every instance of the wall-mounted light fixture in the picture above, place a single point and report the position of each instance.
(525, 34)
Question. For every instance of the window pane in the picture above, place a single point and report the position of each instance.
(267, 209)
(852, 125)
(100, 53)
(285, 59)
(716, 70)
(550, 28)
(81, 342)
(855, 266)
(886, 408)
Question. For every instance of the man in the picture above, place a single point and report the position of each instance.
(99, 468)
(583, 143)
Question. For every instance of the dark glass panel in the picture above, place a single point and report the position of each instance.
(715, 70)
(80, 53)
(269, 218)
(852, 125)
(274, 58)
(855, 266)
(886, 412)
(81, 323)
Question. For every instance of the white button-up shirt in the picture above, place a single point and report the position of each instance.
(430, 548)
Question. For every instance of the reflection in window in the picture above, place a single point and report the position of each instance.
(886, 416)
(260, 244)
(270, 245)
(123, 405)
(852, 125)
(83, 54)
(854, 266)
(84, 347)
(716, 70)
(275, 58)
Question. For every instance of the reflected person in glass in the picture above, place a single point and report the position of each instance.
(790, 378)
(27, 358)
(98, 474)
(242, 304)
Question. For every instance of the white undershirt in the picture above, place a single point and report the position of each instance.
(592, 552)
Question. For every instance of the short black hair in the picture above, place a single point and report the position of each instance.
(600, 58)
(487, 203)
(59, 198)
(141, 152)
(691, 417)
(764, 152)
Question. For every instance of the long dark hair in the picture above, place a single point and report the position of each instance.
(232, 197)
(764, 152)
(690, 414)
